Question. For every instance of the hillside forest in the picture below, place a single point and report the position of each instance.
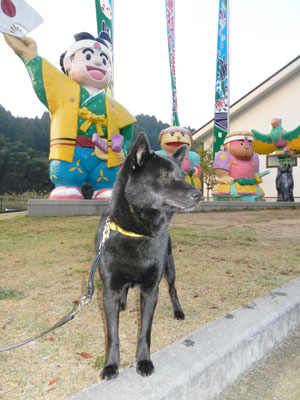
(24, 150)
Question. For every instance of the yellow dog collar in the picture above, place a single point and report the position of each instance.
(114, 227)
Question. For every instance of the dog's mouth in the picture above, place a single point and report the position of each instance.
(183, 207)
(188, 209)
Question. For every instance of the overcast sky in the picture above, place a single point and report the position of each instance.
(264, 36)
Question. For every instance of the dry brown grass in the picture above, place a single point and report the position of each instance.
(223, 260)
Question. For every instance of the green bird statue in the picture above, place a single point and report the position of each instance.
(285, 145)
(277, 140)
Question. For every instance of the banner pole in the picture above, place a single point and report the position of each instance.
(170, 17)
(104, 17)
(222, 103)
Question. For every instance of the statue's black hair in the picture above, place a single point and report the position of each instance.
(80, 36)
(61, 62)
(86, 35)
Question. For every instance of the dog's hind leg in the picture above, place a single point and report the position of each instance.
(111, 303)
(149, 298)
(169, 273)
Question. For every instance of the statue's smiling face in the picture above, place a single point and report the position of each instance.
(90, 67)
(172, 140)
(242, 149)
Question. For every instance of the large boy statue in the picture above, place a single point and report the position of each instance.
(90, 132)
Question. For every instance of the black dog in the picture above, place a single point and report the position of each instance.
(137, 245)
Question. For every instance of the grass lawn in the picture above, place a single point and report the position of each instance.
(223, 261)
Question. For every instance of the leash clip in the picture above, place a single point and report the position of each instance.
(105, 234)
(106, 231)
(82, 302)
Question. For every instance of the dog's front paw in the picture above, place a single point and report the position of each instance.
(109, 372)
(145, 367)
(179, 314)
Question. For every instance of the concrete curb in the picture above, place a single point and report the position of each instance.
(244, 205)
(203, 364)
(54, 208)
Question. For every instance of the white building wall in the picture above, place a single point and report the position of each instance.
(281, 102)
(278, 97)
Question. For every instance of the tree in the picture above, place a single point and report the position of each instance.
(24, 150)
(208, 174)
(149, 125)
(4, 167)
(21, 170)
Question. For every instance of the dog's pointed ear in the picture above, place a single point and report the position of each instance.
(143, 148)
(179, 154)
(140, 151)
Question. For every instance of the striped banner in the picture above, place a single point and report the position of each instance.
(170, 15)
(221, 123)
(104, 15)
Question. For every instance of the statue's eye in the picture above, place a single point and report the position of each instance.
(88, 56)
(242, 143)
(104, 58)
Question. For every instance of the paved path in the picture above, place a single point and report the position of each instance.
(276, 377)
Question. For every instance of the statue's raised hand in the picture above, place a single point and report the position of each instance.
(24, 47)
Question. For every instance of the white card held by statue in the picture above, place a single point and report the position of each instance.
(18, 18)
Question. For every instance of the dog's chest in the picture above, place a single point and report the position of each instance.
(134, 261)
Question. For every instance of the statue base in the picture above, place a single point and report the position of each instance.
(60, 208)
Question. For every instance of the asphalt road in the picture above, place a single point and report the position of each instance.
(276, 377)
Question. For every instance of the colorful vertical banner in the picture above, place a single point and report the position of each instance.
(104, 15)
(221, 124)
(170, 15)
